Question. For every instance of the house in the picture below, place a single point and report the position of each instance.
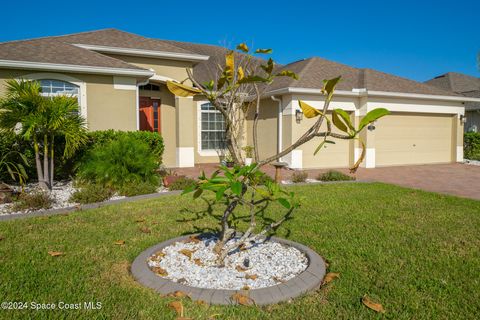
(119, 79)
(467, 86)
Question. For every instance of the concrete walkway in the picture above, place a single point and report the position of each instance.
(455, 179)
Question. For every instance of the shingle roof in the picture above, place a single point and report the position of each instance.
(120, 39)
(314, 70)
(51, 50)
(463, 84)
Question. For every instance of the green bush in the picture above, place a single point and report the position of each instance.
(35, 200)
(66, 168)
(333, 175)
(182, 183)
(91, 193)
(135, 189)
(471, 142)
(299, 176)
(120, 162)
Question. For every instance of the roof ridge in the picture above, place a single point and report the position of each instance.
(55, 37)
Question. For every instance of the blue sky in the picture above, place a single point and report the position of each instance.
(413, 39)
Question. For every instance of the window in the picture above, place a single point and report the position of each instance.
(150, 87)
(57, 87)
(212, 128)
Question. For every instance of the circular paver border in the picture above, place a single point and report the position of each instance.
(309, 280)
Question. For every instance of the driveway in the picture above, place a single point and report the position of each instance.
(455, 179)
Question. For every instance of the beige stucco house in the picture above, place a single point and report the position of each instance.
(119, 79)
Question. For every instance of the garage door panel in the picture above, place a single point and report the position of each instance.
(413, 139)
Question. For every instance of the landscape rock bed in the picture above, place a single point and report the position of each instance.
(308, 280)
(259, 265)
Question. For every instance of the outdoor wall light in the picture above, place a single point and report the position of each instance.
(298, 115)
(463, 119)
(371, 126)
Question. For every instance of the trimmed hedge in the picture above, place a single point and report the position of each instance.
(471, 143)
(66, 168)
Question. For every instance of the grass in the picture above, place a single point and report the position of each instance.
(416, 253)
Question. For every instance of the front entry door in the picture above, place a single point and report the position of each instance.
(149, 114)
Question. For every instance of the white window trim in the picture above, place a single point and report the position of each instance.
(209, 152)
(82, 95)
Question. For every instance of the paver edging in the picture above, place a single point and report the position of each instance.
(310, 279)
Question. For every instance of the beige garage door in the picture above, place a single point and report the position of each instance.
(402, 139)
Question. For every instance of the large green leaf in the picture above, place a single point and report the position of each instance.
(372, 116)
(346, 118)
(236, 188)
(338, 122)
(284, 202)
(329, 86)
(287, 73)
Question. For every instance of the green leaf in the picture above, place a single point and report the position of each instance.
(337, 121)
(237, 188)
(189, 189)
(329, 86)
(308, 111)
(372, 116)
(284, 202)
(321, 145)
(346, 118)
(263, 51)
(243, 47)
(209, 85)
(287, 73)
(197, 193)
(220, 193)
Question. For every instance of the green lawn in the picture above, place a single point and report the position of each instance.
(417, 253)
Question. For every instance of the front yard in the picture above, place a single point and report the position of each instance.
(416, 253)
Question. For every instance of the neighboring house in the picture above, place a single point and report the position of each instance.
(119, 79)
(467, 86)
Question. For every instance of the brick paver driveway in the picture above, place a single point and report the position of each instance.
(456, 179)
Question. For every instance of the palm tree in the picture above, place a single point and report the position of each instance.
(40, 119)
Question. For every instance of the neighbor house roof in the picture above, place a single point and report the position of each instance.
(460, 83)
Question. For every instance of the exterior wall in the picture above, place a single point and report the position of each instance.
(163, 67)
(107, 107)
(267, 129)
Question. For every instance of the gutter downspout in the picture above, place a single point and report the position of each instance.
(279, 125)
(137, 103)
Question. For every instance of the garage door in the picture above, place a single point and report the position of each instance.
(413, 139)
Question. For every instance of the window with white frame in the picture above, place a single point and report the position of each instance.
(212, 128)
(57, 87)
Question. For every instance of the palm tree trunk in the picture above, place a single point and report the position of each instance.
(38, 165)
(52, 153)
(45, 162)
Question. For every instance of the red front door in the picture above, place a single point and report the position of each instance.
(149, 114)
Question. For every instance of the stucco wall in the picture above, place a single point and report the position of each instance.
(267, 129)
(107, 107)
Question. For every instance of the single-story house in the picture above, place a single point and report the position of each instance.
(119, 79)
(467, 86)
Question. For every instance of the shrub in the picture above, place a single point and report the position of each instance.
(135, 189)
(333, 175)
(120, 162)
(91, 193)
(182, 183)
(35, 200)
(299, 176)
(472, 145)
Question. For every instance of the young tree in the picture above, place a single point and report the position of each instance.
(40, 119)
(239, 85)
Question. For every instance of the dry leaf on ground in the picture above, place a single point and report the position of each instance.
(369, 303)
(55, 253)
(120, 242)
(240, 269)
(251, 276)
(178, 294)
(187, 253)
(242, 299)
(330, 277)
(245, 288)
(145, 230)
(198, 262)
(193, 239)
(160, 271)
(140, 220)
(177, 306)
(201, 303)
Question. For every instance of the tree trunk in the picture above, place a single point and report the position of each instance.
(46, 175)
(38, 164)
